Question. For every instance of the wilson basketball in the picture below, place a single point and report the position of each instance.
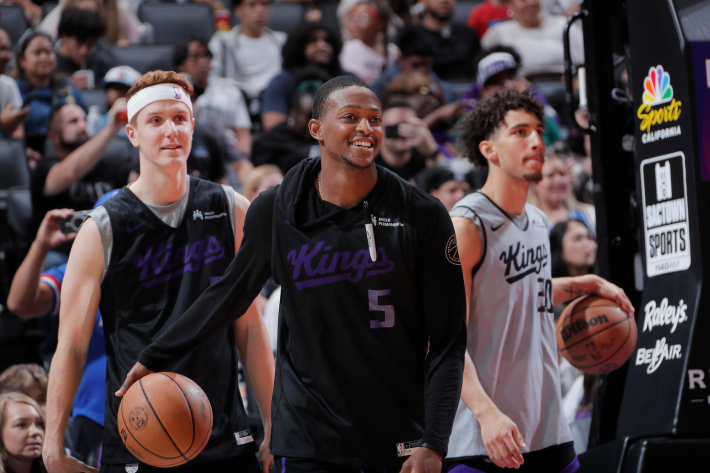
(595, 334)
(165, 420)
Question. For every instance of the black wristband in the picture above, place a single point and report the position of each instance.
(435, 449)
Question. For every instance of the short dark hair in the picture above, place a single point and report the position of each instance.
(320, 100)
(396, 101)
(181, 48)
(294, 50)
(488, 114)
(81, 24)
(557, 234)
(412, 42)
(53, 114)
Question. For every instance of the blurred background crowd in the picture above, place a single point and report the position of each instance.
(65, 69)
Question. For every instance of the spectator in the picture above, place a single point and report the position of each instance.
(559, 7)
(121, 23)
(537, 39)
(220, 101)
(408, 146)
(250, 53)
(553, 195)
(416, 54)
(21, 434)
(29, 379)
(573, 250)
(367, 53)
(308, 45)
(262, 178)
(37, 63)
(78, 56)
(116, 83)
(76, 176)
(11, 113)
(290, 142)
(455, 44)
(446, 184)
(487, 14)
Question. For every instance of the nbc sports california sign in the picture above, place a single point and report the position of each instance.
(656, 109)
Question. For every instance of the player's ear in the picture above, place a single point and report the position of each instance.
(132, 135)
(488, 150)
(314, 126)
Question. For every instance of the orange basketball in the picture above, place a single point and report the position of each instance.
(595, 334)
(165, 420)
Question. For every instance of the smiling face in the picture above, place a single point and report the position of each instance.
(517, 146)
(23, 432)
(351, 129)
(552, 189)
(163, 132)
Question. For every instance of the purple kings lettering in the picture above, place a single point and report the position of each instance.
(174, 263)
(338, 266)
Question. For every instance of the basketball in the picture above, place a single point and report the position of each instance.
(595, 334)
(165, 420)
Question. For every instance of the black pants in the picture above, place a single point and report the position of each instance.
(310, 465)
(86, 438)
(555, 459)
(241, 464)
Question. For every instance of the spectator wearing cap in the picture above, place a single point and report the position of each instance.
(497, 71)
(37, 62)
(408, 146)
(221, 104)
(11, 113)
(456, 45)
(309, 45)
(116, 82)
(78, 56)
(487, 14)
(290, 142)
(416, 54)
(538, 40)
(446, 183)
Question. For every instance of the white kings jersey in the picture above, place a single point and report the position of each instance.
(511, 330)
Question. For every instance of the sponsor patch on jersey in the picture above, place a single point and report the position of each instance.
(406, 449)
(243, 437)
(452, 251)
(132, 468)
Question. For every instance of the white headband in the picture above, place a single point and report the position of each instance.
(155, 93)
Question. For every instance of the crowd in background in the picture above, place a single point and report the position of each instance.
(253, 97)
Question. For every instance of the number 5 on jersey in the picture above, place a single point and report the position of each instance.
(373, 297)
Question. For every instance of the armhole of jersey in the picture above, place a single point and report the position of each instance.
(104, 225)
(232, 206)
(273, 236)
(484, 240)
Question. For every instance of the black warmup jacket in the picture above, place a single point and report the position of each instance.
(370, 354)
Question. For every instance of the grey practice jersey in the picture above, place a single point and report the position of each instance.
(511, 331)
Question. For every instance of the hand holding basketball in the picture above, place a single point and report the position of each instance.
(137, 372)
(502, 439)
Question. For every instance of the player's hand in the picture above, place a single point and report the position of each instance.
(49, 235)
(424, 460)
(65, 464)
(611, 291)
(502, 439)
(137, 372)
(266, 459)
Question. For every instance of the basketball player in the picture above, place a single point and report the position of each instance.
(371, 329)
(510, 400)
(143, 258)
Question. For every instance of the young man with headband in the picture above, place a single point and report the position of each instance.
(143, 258)
(371, 326)
(510, 414)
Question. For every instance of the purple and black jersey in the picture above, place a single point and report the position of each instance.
(370, 353)
(155, 273)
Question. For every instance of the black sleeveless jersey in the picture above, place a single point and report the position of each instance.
(155, 273)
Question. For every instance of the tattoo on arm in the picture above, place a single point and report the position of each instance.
(573, 291)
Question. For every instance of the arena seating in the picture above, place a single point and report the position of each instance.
(95, 97)
(283, 16)
(172, 22)
(142, 58)
(48, 7)
(19, 214)
(13, 167)
(12, 20)
(463, 9)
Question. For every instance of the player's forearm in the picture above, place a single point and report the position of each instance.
(564, 289)
(64, 380)
(24, 290)
(258, 361)
(472, 392)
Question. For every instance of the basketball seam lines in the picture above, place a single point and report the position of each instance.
(123, 418)
(590, 307)
(189, 407)
(159, 422)
(595, 334)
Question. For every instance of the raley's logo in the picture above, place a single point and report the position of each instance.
(537, 257)
(658, 91)
(653, 357)
(664, 314)
(580, 325)
(330, 264)
(175, 262)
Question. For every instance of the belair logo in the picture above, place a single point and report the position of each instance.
(338, 266)
(657, 90)
(653, 357)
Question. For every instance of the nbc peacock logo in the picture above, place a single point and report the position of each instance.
(657, 90)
